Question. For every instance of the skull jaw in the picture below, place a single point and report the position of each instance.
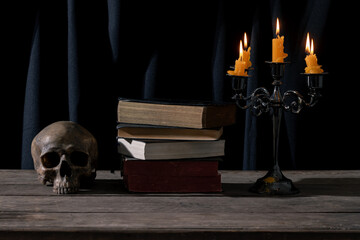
(66, 185)
(65, 190)
(69, 185)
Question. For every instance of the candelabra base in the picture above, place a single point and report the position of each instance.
(274, 183)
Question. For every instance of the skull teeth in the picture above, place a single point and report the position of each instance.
(65, 190)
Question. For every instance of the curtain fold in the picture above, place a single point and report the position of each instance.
(73, 62)
(31, 121)
(218, 65)
(114, 27)
(84, 55)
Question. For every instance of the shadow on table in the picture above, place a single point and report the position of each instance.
(308, 187)
(107, 186)
(329, 186)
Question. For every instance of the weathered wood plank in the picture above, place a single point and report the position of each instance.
(332, 182)
(29, 176)
(178, 204)
(307, 176)
(299, 222)
(338, 187)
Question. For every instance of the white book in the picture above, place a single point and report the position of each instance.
(165, 150)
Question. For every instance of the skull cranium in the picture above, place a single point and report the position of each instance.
(65, 154)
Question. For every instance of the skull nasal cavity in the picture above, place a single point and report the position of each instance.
(65, 169)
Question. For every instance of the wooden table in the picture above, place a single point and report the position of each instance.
(328, 207)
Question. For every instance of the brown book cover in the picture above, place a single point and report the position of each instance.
(139, 131)
(172, 184)
(191, 167)
(176, 114)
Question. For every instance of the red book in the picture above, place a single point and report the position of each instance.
(182, 176)
(193, 167)
(173, 184)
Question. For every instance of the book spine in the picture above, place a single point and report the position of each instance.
(176, 115)
(168, 133)
(163, 115)
(170, 168)
(188, 184)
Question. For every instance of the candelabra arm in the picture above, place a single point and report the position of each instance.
(261, 92)
(241, 101)
(299, 101)
(258, 101)
(314, 98)
(297, 104)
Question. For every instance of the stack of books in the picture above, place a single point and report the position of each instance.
(171, 146)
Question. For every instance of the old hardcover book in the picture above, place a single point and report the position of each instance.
(162, 149)
(173, 184)
(138, 131)
(176, 114)
(191, 167)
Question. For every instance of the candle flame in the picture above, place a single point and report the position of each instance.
(277, 26)
(245, 41)
(312, 46)
(241, 51)
(307, 47)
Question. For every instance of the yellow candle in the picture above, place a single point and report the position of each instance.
(246, 53)
(278, 54)
(240, 67)
(311, 59)
(240, 64)
(243, 63)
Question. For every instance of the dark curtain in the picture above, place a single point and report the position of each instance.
(71, 60)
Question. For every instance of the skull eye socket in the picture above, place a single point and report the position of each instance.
(50, 159)
(79, 159)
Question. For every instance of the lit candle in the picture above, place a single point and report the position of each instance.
(246, 53)
(311, 59)
(240, 64)
(243, 62)
(278, 54)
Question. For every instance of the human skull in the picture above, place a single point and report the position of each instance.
(65, 154)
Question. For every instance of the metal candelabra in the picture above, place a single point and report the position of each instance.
(260, 101)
